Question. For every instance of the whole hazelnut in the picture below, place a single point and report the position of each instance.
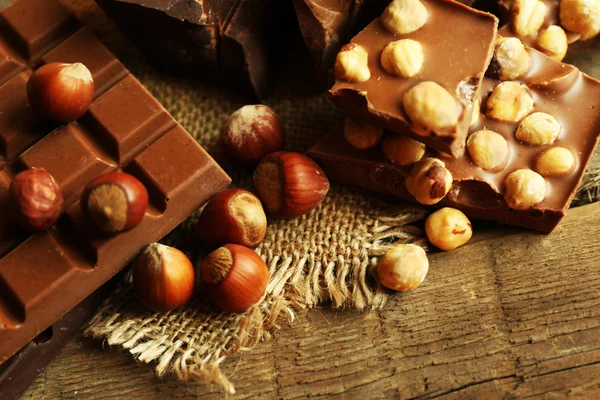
(538, 129)
(430, 107)
(61, 92)
(553, 42)
(403, 58)
(402, 150)
(36, 198)
(289, 184)
(487, 149)
(251, 133)
(352, 64)
(115, 202)
(509, 101)
(555, 161)
(429, 180)
(361, 134)
(448, 228)
(163, 278)
(235, 277)
(527, 16)
(403, 267)
(524, 189)
(510, 60)
(233, 216)
(581, 16)
(404, 16)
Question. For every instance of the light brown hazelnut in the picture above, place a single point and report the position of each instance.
(430, 108)
(555, 162)
(403, 58)
(404, 16)
(352, 64)
(476, 112)
(403, 267)
(402, 150)
(538, 129)
(510, 101)
(428, 181)
(524, 189)
(448, 228)
(361, 134)
(553, 42)
(487, 149)
(527, 16)
(511, 59)
(581, 16)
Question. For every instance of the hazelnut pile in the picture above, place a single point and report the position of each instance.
(234, 221)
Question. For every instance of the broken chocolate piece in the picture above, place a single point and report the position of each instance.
(433, 102)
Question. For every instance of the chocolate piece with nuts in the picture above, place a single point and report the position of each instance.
(404, 53)
(527, 150)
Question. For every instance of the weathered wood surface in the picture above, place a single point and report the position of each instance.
(511, 315)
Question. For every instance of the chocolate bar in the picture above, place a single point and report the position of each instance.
(567, 96)
(46, 274)
(237, 43)
(427, 81)
(19, 371)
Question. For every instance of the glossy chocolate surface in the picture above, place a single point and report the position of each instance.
(458, 65)
(44, 275)
(558, 89)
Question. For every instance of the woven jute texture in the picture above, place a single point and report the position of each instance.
(325, 256)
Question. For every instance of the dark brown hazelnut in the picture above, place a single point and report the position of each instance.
(251, 133)
(290, 184)
(115, 202)
(37, 199)
(61, 92)
(233, 216)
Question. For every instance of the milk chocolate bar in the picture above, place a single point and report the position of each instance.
(23, 368)
(236, 43)
(434, 104)
(548, 93)
(45, 274)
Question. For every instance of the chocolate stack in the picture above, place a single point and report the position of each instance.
(511, 146)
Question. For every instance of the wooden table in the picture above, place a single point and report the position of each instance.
(511, 315)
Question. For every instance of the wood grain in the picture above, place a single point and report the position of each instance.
(510, 315)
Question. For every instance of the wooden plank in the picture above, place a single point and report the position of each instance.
(513, 314)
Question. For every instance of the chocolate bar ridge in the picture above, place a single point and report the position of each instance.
(46, 274)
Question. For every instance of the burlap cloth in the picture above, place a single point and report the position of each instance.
(325, 256)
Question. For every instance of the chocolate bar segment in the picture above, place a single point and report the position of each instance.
(450, 63)
(45, 274)
(22, 369)
(559, 90)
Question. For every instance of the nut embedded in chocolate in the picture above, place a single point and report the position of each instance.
(527, 16)
(581, 16)
(403, 58)
(510, 60)
(402, 150)
(510, 102)
(524, 189)
(404, 16)
(431, 108)
(553, 42)
(555, 161)
(538, 129)
(352, 64)
(487, 149)
(361, 134)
